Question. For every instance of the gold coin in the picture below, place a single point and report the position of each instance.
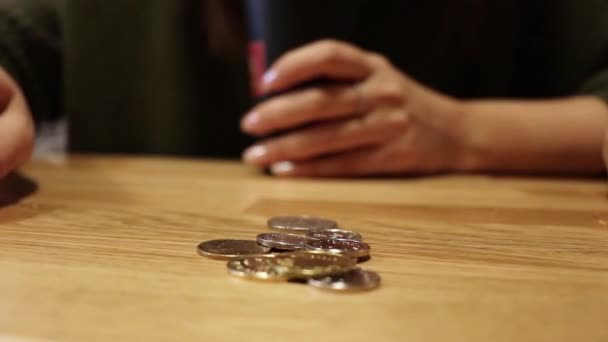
(352, 248)
(306, 264)
(355, 280)
(263, 267)
(301, 223)
(228, 249)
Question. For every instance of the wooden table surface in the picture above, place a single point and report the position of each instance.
(103, 248)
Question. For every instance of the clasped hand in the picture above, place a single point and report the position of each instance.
(373, 120)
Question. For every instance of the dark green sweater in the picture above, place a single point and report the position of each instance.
(136, 75)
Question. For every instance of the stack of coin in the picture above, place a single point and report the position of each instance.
(307, 248)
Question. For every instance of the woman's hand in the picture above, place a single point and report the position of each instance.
(16, 125)
(372, 120)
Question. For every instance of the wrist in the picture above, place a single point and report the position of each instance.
(455, 118)
(473, 145)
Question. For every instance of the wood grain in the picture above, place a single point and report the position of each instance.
(103, 248)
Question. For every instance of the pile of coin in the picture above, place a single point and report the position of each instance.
(307, 248)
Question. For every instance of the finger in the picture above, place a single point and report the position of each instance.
(300, 107)
(322, 103)
(327, 58)
(369, 161)
(16, 125)
(373, 129)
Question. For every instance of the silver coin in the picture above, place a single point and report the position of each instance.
(352, 248)
(228, 249)
(282, 241)
(355, 280)
(335, 233)
(301, 223)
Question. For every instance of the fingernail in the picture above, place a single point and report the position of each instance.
(269, 77)
(282, 168)
(255, 154)
(251, 121)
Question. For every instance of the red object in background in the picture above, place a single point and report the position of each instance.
(257, 65)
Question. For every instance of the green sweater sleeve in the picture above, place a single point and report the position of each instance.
(581, 40)
(597, 85)
(30, 50)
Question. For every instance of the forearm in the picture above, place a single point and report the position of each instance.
(557, 136)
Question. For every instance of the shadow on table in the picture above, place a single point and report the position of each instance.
(14, 188)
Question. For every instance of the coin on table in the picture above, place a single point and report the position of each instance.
(282, 241)
(262, 267)
(306, 264)
(301, 223)
(227, 249)
(335, 233)
(351, 248)
(355, 280)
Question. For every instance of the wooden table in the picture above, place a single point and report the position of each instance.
(103, 248)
